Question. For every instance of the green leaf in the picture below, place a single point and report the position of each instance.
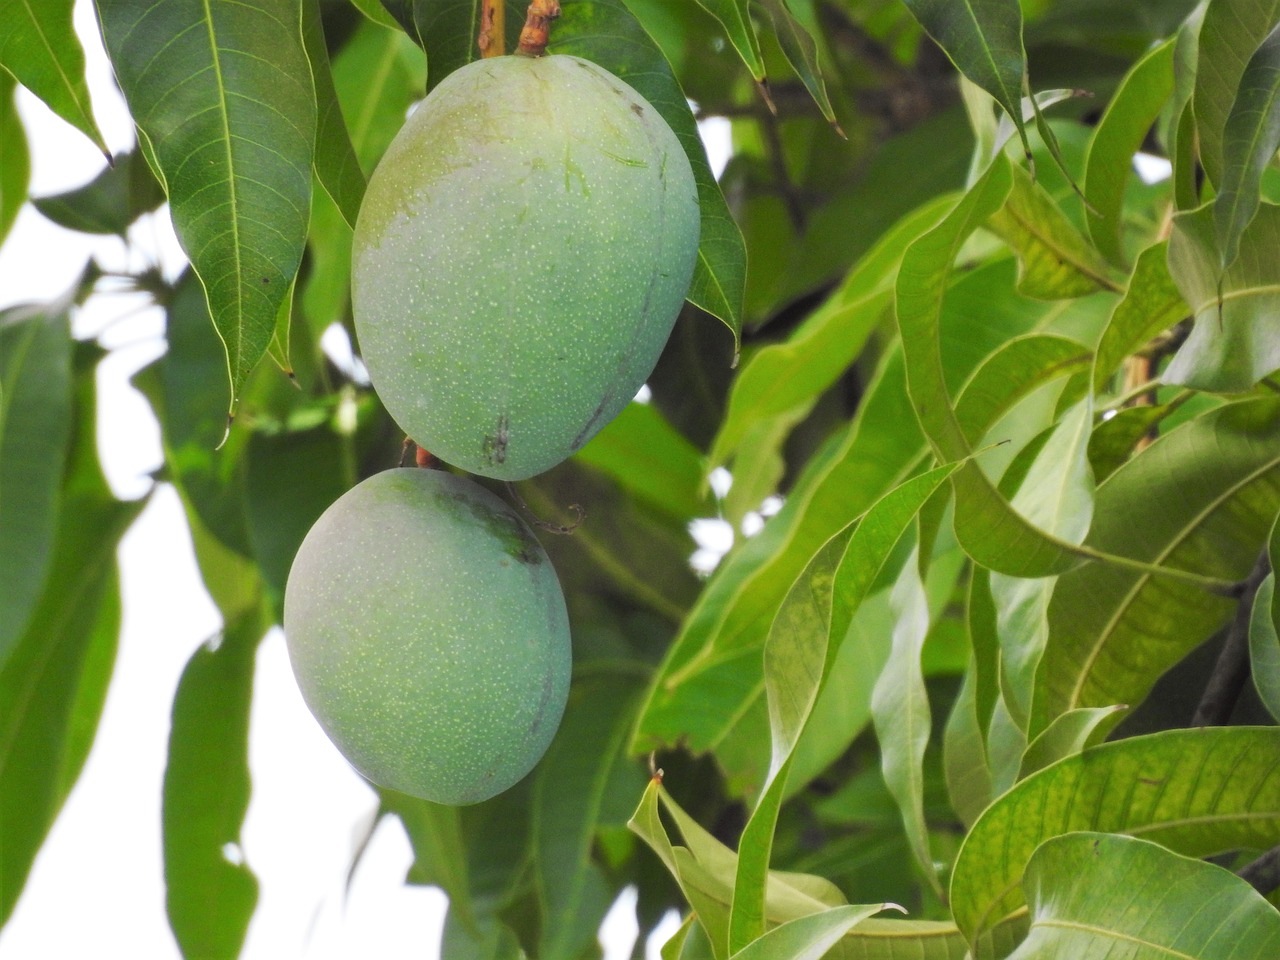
(1112, 632)
(570, 800)
(808, 938)
(15, 160)
(983, 38)
(210, 892)
(700, 869)
(439, 850)
(1198, 792)
(1250, 139)
(900, 709)
(650, 460)
(606, 32)
(801, 50)
(787, 377)
(336, 165)
(1264, 634)
(1113, 440)
(735, 17)
(376, 12)
(449, 29)
(39, 46)
(1096, 895)
(1150, 305)
(110, 202)
(223, 93)
(1230, 32)
(966, 763)
(1065, 737)
(35, 430)
(1057, 496)
(804, 642)
(1056, 262)
(1118, 136)
(54, 682)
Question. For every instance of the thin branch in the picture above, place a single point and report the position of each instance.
(1231, 672)
(1263, 874)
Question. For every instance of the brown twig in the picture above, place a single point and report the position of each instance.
(535, 34)
(1263, 874)
(1232, 669)
(492, 40)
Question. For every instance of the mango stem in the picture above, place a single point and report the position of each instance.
(492, 40)
(537, 27)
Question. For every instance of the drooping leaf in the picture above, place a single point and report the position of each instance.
(1249, 141)
(54, 681)
(210, 892)
(1098, 895)
(1229, 33)
(900, 709)
(702, 866)
(15, 160)
(1056, 261)
(109, 203)
(801, 50)
(439, 850)
(607, 33)
(1112, 632)
(1115, 439)
(224, 96)
(39, 46)
(1118, 136)
(1197, 792)
(35, 429)
(804, 642)
(983, 38)
(966, 762)
(735, 17)
(336, 165)
(570, 801)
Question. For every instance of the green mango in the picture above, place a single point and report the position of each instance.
(428, 634)
(520, 257)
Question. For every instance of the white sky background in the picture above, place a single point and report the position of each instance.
(97, 885)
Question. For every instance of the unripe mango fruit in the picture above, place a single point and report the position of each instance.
(520, 257)
(428, 633)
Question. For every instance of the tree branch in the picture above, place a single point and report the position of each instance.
(1232, 669)
(1263, 874)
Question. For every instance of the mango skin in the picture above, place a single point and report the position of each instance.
(520, 258)
(428, 634)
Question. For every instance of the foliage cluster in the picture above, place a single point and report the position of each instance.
(1006, 656)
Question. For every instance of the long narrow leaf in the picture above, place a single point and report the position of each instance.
(223, 94)
(15, 159)
(735, 17)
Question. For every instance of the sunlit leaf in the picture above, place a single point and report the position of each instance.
(1096, 895)
(807, 938)
(39, 46)
(1065, 737)
(607, 33)
(35, 429)
(210, 892)
(1113, 632)
(1196, 791)
(1056, 261)
(15, 159)
(1118, 136)
(224, 96)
